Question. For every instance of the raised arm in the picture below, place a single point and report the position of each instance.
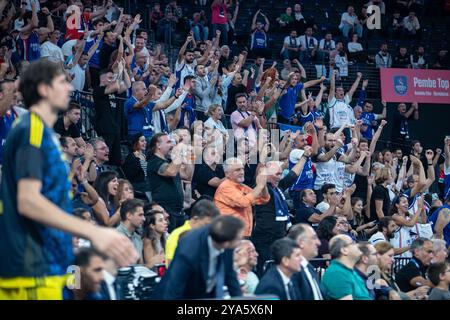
(254, 20)
(354, 86)
(332, 84)
(376, 136)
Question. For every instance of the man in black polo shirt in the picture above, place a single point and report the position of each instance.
(164, 175)
(66, 125)
(413, 275)
(272, 219)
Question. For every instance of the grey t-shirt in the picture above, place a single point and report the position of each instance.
(439, 294)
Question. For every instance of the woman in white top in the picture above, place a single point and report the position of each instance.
(406, 222)
(215, 113)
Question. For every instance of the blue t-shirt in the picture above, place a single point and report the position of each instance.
(369, 116)
(33, 249)
(433, 218)
(95, 59)
(288, 101)
(139, 120)
(29, 49)
(306, 179)
(6, 122)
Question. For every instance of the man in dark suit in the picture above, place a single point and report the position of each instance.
(306, 280)
(203, 263)
(278, 279)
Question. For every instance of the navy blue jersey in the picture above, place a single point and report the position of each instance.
(27, 248)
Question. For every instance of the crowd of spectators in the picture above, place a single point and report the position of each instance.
(186, 161)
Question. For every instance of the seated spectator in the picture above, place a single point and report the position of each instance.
(442, 60)
(155, 16)
(383, 58)
(209, 174)
(326, 45)
(327, 229)
(356, 52)
(286, 19)
(341, 281)
(364, 230)
(135, 165)
(203, 263)
(155, 237)
(411, 26)
(106, 186)
(259, 39)
(300, 24)
(413, 275)
(402, 59)
(177, 12)
(100, 156)
(199, 25)
(278, 279)
(245, 260)
(367, 260)
(419, 59)
(287, 69)
(341, 60)
(439, 275)
(440, 251)
(386, 283)
(307, 278)
(291, 46)
(307, 212)
(350, 23)
(236, 199)
(309, 45)
(132, 218)
(125, 191)
(91, 265)
(395, 25)
(202, 213)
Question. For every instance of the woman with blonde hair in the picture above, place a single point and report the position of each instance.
(215, 113)
(385, 257)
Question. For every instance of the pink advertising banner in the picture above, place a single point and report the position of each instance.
(414, 85)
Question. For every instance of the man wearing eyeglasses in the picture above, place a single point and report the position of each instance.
(413, 275)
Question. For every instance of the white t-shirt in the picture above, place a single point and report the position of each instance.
(210, 123)
(330, 171)
(308, 42)
(377, 237)
(52, 51)
(79, 77)
(183, 69)
(354, 47)
(340, 112)
(323, 206)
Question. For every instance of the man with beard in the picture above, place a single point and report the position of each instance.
(386, 229)
(35, 224)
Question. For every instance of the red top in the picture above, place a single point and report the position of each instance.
(219, 14)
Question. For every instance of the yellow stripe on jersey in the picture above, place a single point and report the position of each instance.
(36, 131)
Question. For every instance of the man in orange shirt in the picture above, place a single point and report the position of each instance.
(234, 198)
